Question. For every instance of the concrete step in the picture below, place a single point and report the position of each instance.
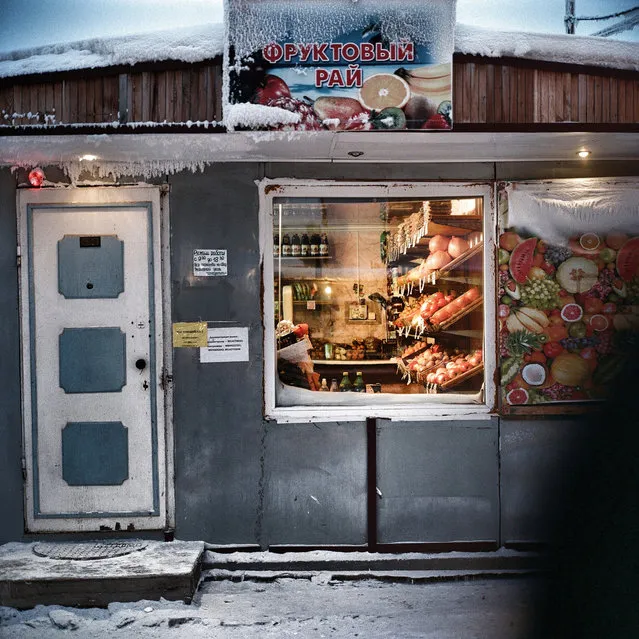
(334, 561)
(156, 570)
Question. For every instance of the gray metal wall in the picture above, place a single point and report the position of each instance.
(240, 480)
(11, 520)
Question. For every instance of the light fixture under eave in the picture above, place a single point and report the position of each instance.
(583, 153)
(356, 154)
(36, 177)
(88, 157)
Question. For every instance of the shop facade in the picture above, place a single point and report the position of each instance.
(223, 455)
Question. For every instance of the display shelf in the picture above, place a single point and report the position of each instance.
(462, 378)
(354, 362)
(458, 261)
(302, 257)
(461, 313)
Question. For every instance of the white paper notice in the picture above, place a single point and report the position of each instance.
(209, 262)
(226, 345)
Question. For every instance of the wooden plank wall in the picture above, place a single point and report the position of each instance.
(486, 92)
(182, 95)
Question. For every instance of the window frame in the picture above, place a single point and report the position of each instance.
(270, 189)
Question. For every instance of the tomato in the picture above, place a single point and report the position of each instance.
(552, 349)
(593, 305)
(272, 87)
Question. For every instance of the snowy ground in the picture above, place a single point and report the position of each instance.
(309, 607)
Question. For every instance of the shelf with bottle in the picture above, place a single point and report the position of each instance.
(294, 245)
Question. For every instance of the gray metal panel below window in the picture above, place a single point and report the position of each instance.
(439, 481)
(315, 485)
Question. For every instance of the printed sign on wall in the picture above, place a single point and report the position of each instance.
(209, 262)
(354, 66)
(226, 345)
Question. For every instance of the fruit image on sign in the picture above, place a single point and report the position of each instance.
(391, 56)
(565, 315)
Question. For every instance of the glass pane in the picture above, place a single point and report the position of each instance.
(378, 296)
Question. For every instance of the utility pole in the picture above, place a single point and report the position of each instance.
(569, 18)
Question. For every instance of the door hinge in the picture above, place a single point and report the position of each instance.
(23, 464)
(165, 379)
(18, 256)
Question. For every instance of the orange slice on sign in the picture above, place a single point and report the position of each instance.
(384, 90)
(589, 241)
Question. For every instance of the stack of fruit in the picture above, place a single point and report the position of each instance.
(564, 314)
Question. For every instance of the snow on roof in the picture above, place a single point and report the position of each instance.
(550, 47)
(186, 44)
(194, 44)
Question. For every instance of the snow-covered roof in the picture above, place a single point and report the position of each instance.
(186, 44)
(549, 47)
(194, 44)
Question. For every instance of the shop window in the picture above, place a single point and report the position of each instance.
(376, 297)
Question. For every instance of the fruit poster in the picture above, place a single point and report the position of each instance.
(568, 309)
(342, 65)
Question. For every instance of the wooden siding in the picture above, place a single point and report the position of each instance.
(487, 92)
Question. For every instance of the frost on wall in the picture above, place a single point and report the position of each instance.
(318, 58)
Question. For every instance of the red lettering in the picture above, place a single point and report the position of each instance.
(393, 50)
(321, 76)
(273, 52)
(353, 76)
(366, 52)
(406, 51)
(350, 52)
(319, 52)
(336, 50)
(305, 51)
(336, 79)
(290, 51)
(381, 54)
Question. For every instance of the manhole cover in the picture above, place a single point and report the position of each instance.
(84, 551)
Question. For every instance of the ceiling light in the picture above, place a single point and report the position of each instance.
(88, 157)
(356, 154)
(583, 153)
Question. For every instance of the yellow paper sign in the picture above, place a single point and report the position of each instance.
(189, 334)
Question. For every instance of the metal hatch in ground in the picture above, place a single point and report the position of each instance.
(92, 353)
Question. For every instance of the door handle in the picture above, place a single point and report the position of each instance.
(140, 364)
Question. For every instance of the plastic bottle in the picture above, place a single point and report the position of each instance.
(324, 386)
(334, 387)
(345, 385)
(359, 386)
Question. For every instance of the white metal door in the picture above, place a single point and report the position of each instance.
(92, 359)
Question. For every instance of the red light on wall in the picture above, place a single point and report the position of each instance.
(36, 177)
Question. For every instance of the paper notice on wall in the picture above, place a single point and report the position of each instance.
(226, 345)
(210, 263)
(189, 334)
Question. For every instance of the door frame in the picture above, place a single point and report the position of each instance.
(155, 199)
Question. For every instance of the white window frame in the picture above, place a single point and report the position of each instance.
(269, 189)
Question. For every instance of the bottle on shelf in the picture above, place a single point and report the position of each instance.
(315, 245)
(345, 385)
(306, 245)
(334, 387)
(323, 246)
(296, 245)
(359, 386)
(286, 245)
(276, 245)
(324, 387)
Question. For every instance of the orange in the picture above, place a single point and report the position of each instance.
(555, 333)
(384, 90)
(589, 241)
(599, 322)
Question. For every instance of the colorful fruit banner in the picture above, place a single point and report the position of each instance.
(568, 312)
(342, 65)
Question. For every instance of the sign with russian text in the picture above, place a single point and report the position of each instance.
(228, 344)
(210, 263)
(340, 65)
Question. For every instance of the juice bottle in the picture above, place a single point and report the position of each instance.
(359, 386)
(345, 385)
